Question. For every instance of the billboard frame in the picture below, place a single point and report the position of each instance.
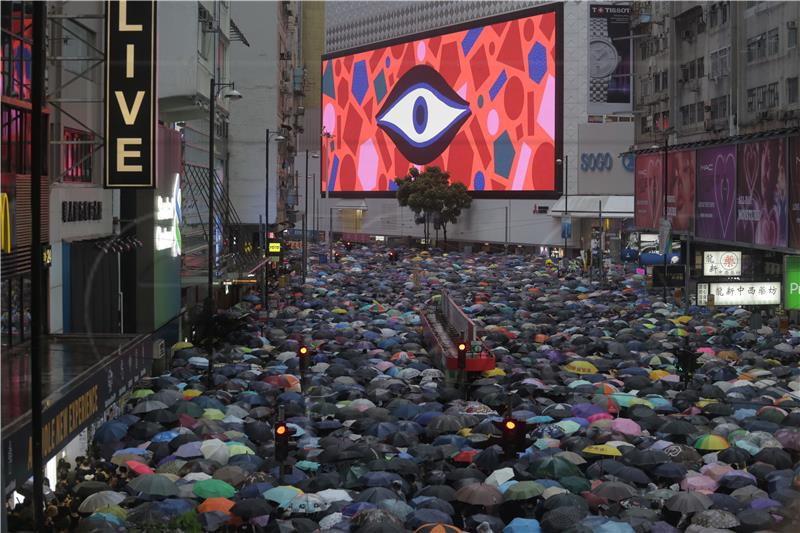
(558, 10)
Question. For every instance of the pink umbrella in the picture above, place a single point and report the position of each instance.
(599, 416)
(715, 471)
(626, 426)
(699, 483)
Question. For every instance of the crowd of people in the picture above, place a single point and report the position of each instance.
(638, 415)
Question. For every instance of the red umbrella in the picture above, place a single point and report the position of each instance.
(139, 468)
(467, 456)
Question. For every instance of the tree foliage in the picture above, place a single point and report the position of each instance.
(433, 199)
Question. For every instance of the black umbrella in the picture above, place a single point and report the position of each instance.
(251, 507)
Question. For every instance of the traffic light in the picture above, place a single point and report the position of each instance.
(512, 435)
(281, 441)
(303, 353)
(462, 355)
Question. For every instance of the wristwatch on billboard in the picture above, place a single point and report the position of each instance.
(603, 59)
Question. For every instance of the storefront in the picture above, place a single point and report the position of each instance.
(15, 205)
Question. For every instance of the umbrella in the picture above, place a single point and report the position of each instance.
(282, 495)
(523, 490)
(100, 499)
(213, 488)
(614, 490)
(153, 485)
(479, 494)
(688, 502)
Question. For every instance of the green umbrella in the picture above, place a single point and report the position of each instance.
(524, 490)
(141, 393)
(213, 488)
(553, 468)
(187, 407)
(575, 484)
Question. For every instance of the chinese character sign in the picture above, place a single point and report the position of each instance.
(727, 263)
(746, 293)
(762, 195)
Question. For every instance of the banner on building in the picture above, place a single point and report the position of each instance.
(610, 55)
(715, 216)
(680, 190)
(794, 193)
(130, 94)
(762, 195)
(649, 191)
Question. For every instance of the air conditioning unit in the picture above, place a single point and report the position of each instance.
(764, 115)
(792, 24)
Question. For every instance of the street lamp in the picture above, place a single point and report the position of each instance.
(564, 169)
(305, 217)
(265, 290)
(233, 94)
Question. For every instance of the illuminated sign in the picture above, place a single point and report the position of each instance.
(274, 247)
(5, 223)
(722, 263)
(792, 281)
(130, 94)
(740, 293)
(168, 220)
(481, 102)
(81, 211)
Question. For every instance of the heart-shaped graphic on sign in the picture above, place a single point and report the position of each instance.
(724, 172)
(751, 163)
(654, 192)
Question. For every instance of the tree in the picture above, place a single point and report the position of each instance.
(432, 198)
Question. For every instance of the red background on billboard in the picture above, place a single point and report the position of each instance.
(649, 191)
(681, 169)
(506, 72)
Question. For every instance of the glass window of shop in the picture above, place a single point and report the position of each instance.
(16, 310)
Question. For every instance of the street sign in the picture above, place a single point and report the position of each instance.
(566, 227)
(676, 276)
(665, 236)
(722, 263)
(791, 269)
(274, 247)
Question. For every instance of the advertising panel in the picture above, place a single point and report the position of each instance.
(680, 189)
(794, 193)
(744, 293)
(727, 263)
(604, 167)
(130, 94)
(481, 102)
(792, 281)
(762, 198)
(609, 58)
(649, 191)
(715, 215)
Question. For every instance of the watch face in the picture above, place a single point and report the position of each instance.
(602, 59)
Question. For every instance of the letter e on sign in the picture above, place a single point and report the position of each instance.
(130, 94)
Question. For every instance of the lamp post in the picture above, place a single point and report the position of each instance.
(265, 289)
(326, 136)
(212, 123)
(565, 168)
(305, 218)
(667, 248)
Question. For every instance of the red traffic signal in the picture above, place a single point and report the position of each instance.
(462, 355)
(281, 441)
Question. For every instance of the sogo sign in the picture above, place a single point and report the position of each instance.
(792, 281)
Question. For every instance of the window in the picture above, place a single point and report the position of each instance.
(656, 122)
(719, 108)
(761, 97)
(77, 156)
(643, 50)
(773, 42)
(751, 100)
(684, 115)
(791, 90)
(701, 68)
(724, 64)
(756, 48)
(17, 24)
(791, 35)
(664, 78)
(76, 39)
(724, 12)
(712, 16)
(204, 22)
(685, 72)
(772, 95)
(701, 113)
(665, 120)
(645, 124)
(692, 114)
(692, 70)
(656, 83)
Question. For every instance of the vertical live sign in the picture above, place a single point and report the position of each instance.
(130, 94)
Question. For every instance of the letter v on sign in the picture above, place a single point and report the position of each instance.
(128, 114)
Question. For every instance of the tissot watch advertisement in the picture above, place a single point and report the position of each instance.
(609, 58)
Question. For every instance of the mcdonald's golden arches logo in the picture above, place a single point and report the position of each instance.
(5, 223)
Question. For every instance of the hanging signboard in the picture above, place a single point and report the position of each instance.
(791, 270)
(728, 263)
(740, 293)
(566, 227)
(274, 247)
(130, 94)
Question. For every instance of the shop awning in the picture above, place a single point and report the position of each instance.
(585, 206)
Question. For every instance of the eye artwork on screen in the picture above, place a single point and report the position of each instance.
(479, 102)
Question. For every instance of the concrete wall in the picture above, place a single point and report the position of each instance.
(351, 24)
(254, 69)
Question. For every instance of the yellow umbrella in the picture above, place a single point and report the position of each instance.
(581, 367)
(603, 449)
(338, 311)
(494, 372)
(464, 431)
(683, 319)
(237, 448)
(192, 393)
(181, 345)
(213, 414)
(658, 374)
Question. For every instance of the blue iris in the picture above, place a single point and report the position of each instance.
(420, 114)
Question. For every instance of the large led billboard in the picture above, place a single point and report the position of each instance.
(481, 101)
(762, 199)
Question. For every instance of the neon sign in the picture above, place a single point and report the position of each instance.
(168, 220)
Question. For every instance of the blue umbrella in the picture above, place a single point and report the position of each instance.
(254, 490)
(132, 451)
(190, 449)
(110, 432)
(173, 506)
(164, 436)
(523, 525)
